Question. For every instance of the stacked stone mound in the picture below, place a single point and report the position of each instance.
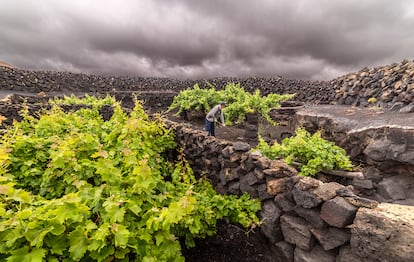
(18, 80)
(390, 87)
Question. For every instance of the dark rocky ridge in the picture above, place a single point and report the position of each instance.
(48, 81)
(389, 87)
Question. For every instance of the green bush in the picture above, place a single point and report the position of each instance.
(239, 102)
(74, 187)
(195, 98)
(312, 151)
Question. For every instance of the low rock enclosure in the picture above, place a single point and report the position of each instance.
(369, 113)
(304, 219)
(382, 141)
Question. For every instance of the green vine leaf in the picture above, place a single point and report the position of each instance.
(78, 244)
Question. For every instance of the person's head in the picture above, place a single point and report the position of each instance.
(223, 104)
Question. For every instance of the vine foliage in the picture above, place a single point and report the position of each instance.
(239, 101)
(74, 187)
(312, 151)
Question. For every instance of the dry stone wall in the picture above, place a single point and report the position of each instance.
(303, 218)
(54, 82)
(390, 87)
(383, 142)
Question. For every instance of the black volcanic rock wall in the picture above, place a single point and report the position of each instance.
(48, 81)
(390, 87)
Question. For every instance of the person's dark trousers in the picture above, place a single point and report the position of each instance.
(210, 128)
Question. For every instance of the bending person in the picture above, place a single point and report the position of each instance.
(215, 113)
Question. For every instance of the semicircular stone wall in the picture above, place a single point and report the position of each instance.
(303, 218)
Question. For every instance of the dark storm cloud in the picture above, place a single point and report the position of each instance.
(303, 39)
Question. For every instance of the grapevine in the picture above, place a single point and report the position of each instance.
(312, 151)
(195, 98)
(74, 187)
(239, 102)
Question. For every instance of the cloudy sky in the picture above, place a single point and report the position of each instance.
(296, 39)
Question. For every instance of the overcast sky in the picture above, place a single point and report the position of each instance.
(296, 39)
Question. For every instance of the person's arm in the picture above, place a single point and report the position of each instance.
(222, 117)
